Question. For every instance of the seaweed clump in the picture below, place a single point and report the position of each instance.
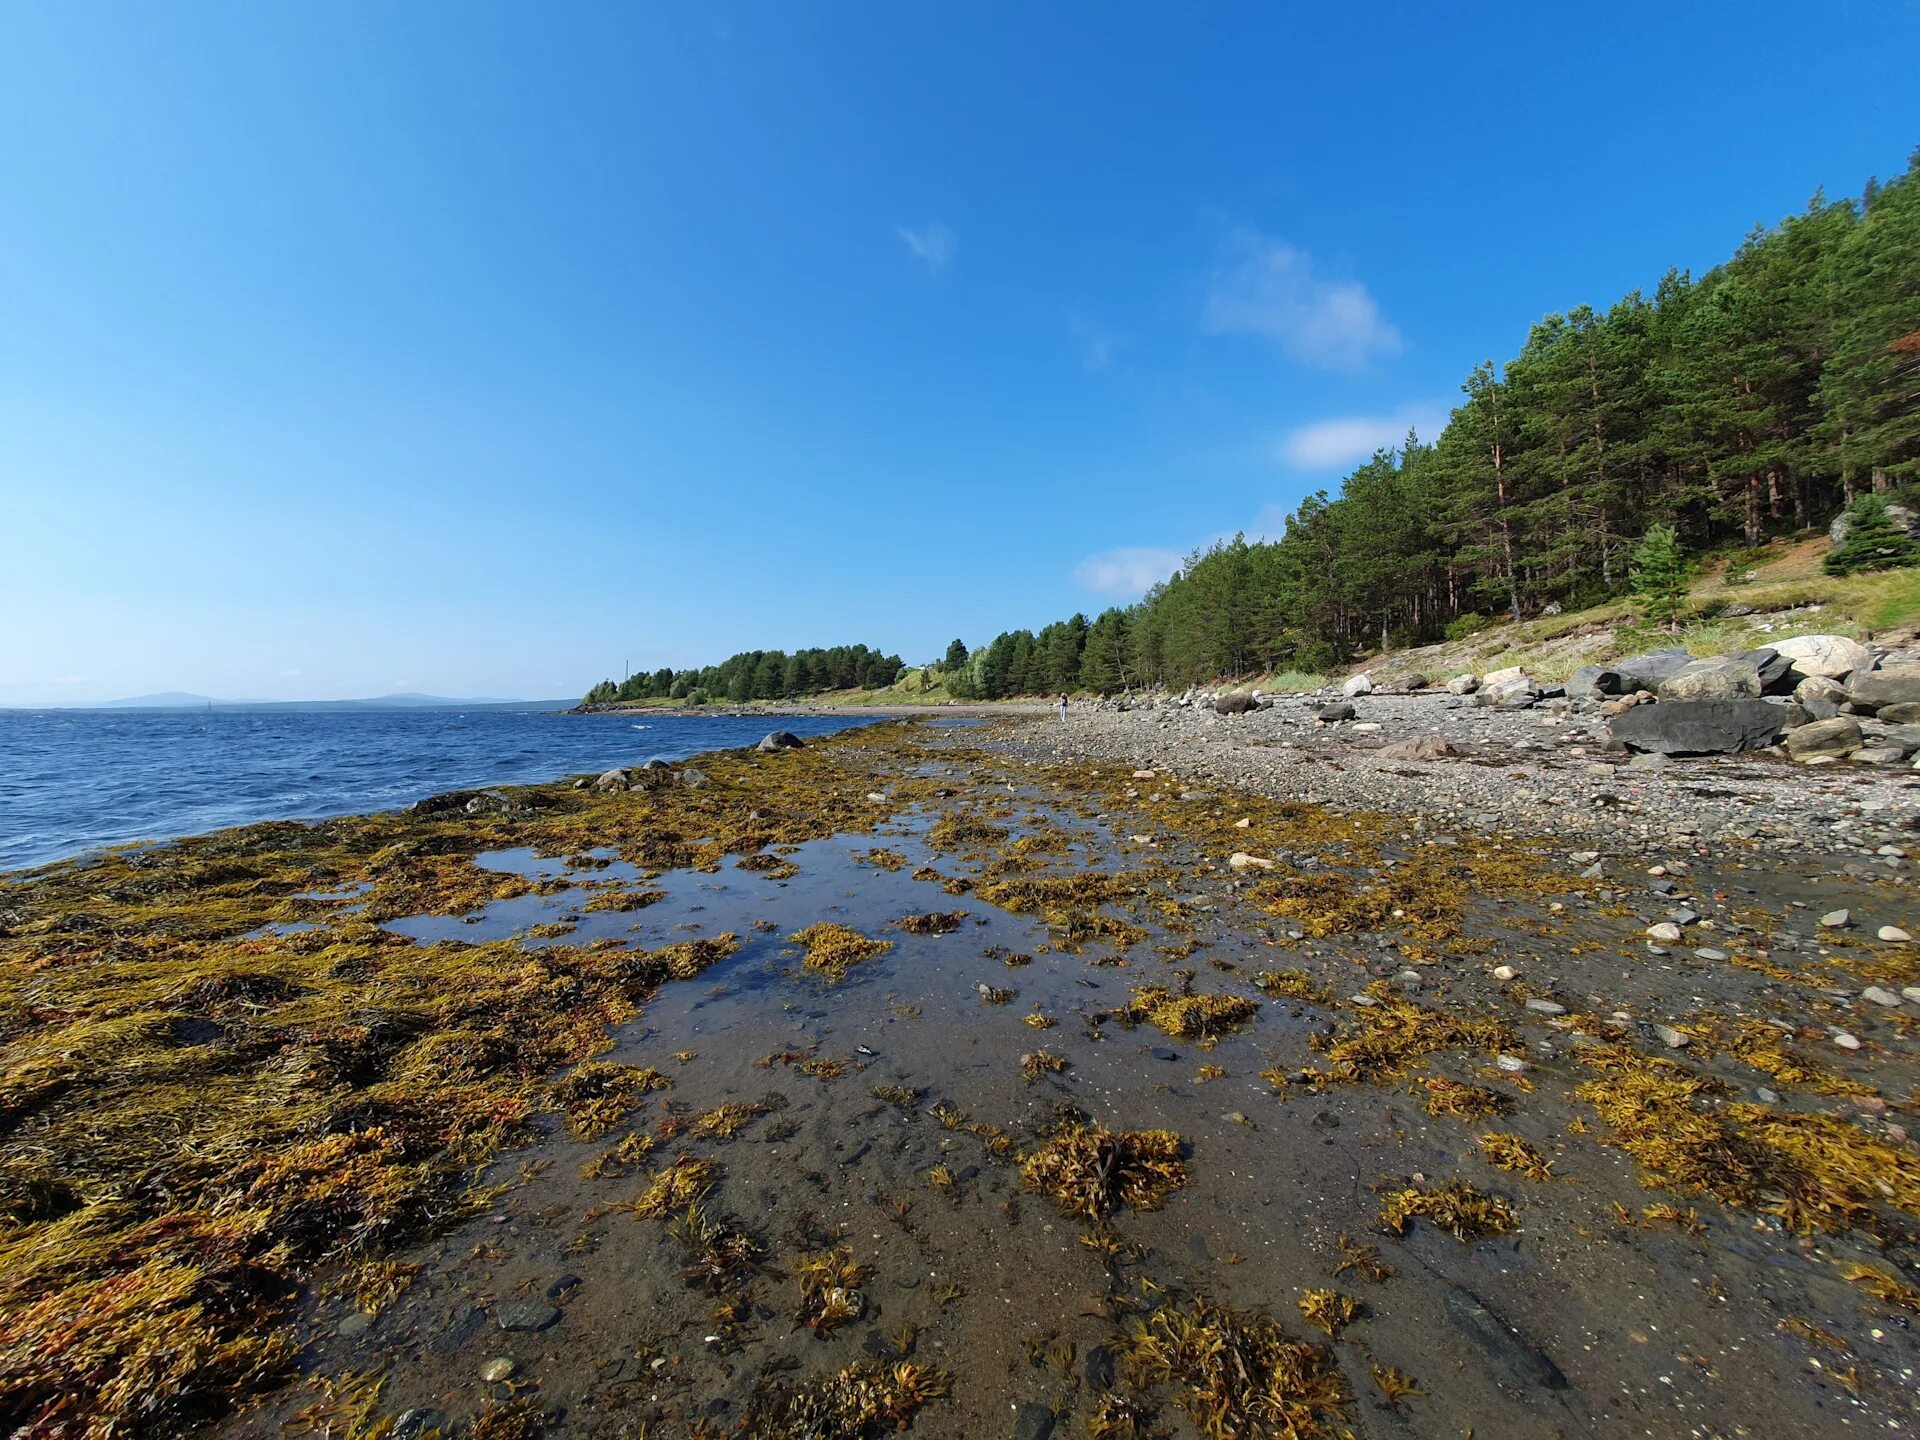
(1092, 1171)
(1184, 1015)
(861, 1402)
(935, 922)
(1237, 1372)
(1462, 1210)
(597, 1096)
(835, 949)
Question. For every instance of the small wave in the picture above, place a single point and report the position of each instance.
(643, 727)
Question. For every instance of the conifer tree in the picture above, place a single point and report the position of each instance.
(1660, 571)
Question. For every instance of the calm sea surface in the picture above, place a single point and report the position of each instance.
(73, 781)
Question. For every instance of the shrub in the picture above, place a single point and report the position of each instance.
(1462, 626)
(1873, 541)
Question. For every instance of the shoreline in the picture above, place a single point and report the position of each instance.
(1299, 1024)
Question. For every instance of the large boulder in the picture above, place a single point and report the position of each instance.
(1833, 739)
(1503, 676)
(1725, 677)
(1515, 692)
(1361, 684)
(1237, 702)
(1463, 684)
(780, 740)
(1905, 712)
(1777, 675)
(1643, 672)
(1832, 656)
(1894, 685)
(1701, 727)
(1339, 710)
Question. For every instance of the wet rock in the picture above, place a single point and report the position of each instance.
(1701, 727)
(411, 1424)
(1523, 1364)
(500, 1368)
(1032, 1422)
(526, 1315)
(1880, 996)
(355, 1324)
(461, 1326)
(563, 1287)
(779, 740)
(1099, 1368)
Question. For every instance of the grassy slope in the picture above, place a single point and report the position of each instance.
(1783, 592)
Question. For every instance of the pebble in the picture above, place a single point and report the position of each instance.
(1707, 952)
(1846, 1041)
(1546, 1007)
(1894, 935)
(354, 1324)
(1672, 1038)
(1511, 1064)
(1504, 972)
(1836, 920)
(501, 1367)
(1240, 860)
(1666, 932)
(1880, 996)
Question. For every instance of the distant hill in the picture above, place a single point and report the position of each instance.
(179, 700)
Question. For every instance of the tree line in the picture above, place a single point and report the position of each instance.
(1754, 401)
(759, 675)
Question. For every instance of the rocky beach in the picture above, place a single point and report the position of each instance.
(1165, 1072)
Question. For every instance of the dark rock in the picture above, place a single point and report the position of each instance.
(563, 1287)
(780, 740)
(1591, 682)
(189, 1030)
(461, 1326)
(411, 1424)
(1032, 1422)
(1237, 702)
(1777, 675)
(1339, 710)
(1645, 672)
(1700, 727)
(1099, 1368)
(526, 1315)
(1523, 1364)
(471, 802)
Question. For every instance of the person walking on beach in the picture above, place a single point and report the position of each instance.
(1063, 708)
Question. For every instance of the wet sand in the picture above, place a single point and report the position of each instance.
(1621, 1300)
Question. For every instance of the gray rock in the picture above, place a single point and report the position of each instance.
(1238, 702)
(1463, 684)
(1339, 710)
(780, 740)
(1645, 672)
(1825, 739)
(1420, 747)
(693, 778)
(1726, 677)
(1877, 689)
(1361, 684)
(411, 1424)
(1032, 1422)
(1880, 996)
(1903, 712)
(526, 1315)
(1700, 727)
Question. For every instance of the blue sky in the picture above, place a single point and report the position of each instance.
(350, 348)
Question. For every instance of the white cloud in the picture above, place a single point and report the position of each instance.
(1349, 439)
(932, 245)
(1127, 573)
(1270, 289)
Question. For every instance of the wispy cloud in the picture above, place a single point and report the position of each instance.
(1126, 573)
(1097, 346)
(1348, 439)
(1271, 289)
(932, 245)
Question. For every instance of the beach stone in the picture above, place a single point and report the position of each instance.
(1894, 935)
(1032, 1422)
(1239, 702)
(1642, 672)
(1726, 677)
(1463, 684)
(1240, 860)
(1700, 727)
(613, 780)
(1846, 1041)
(1361, 684)
(1666, 932)
(1877, 754)
(1893, 685)
(1880, 996)
(1833, 739)
(1420, 747)
(693, 778)
(526, 1315)
(1836, 919)
(779, 740)
(501, 1367)
(1337, 711)
(1672, 1038)
(411, 1424)
(1546, 1007)
(355, 1324)
(1830, 656)
(1904, 712)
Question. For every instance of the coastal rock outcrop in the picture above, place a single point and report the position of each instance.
(1831, 656)
(1876, 689)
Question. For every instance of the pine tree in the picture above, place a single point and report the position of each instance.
(1660, 571)
(956, 656)
(1873, 541)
